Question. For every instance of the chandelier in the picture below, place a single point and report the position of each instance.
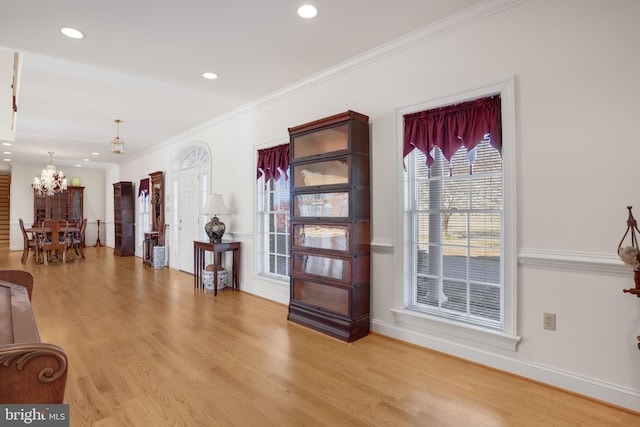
(117, 145)
(51, 181)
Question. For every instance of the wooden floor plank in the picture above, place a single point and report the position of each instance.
(146, 349)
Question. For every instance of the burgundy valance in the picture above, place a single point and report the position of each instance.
(273, 161)
(143, 190)
(454, 126)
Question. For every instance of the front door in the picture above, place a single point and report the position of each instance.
(189, 224)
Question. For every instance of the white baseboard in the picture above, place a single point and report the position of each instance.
(594, 389)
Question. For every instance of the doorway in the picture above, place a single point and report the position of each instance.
(190, 188)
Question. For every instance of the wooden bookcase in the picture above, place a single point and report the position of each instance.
(123, 218)
(330, 226)
(67, 205)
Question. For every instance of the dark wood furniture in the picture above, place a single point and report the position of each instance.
(330, 226)
(199, 250)
(31, 372)
(67, 205)
(123, 218)
(157, 201)
(150, 241)
(57, 239)
(29, 242)
(98, 242)
(42, 233)
(156, 236)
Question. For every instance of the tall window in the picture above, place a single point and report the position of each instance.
(143, 225)
(455, 227)
(273, 211)
(454, 216)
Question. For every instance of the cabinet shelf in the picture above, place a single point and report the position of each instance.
(67, 205)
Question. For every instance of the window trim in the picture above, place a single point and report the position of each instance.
(432, 325)
(261, 246)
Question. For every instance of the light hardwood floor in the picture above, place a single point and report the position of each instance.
(146, 349)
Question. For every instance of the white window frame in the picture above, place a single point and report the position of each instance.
(263, 233)
(143, 225)
(440, 328)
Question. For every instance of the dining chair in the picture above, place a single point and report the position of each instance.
(19, 277)
(29, 242)
(55, 238)
(77, 239)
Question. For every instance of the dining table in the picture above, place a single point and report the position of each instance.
(37, 231)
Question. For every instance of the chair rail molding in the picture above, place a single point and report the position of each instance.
(569, 260)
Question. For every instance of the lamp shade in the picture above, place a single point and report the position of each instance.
(215, 205)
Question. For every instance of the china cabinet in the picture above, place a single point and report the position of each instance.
(123, 218)
(67, 205)
(330, 226)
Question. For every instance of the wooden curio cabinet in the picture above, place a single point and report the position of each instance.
(157, 201)
(330, 226)
(67, 205)
(123, 218)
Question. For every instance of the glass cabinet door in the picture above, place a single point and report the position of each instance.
(324, 267)
(320, 142)
(322, 205)
(322, 236)
(76, 206)
(327, 172)
(325, 297)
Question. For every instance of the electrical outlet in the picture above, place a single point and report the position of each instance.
(549, 321)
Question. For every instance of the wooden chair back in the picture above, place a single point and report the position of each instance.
(29, 243)
(24, 232)
(57, 238)
(18, 277)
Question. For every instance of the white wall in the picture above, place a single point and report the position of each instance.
(576, 66)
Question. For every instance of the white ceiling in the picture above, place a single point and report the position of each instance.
(142, 61)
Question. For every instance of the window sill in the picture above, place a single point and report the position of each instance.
(447, 330)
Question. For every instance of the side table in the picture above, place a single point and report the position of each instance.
(199, 249)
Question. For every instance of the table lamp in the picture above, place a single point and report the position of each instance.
(215, 206)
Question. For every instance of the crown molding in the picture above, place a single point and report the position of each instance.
(451, 23)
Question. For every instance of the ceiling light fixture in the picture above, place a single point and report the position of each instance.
(51, 181)
(117, 145)
(72, 33)
(307, 11)
(210, 76)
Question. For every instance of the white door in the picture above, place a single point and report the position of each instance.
(189, 205)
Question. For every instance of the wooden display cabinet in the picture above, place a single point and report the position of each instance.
(330, 226)
(123, 218)
(157, 201)
(67, 205)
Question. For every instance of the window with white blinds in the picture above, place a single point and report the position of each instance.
(273, 214)
(454, 235)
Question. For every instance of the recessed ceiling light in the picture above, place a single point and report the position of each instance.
(7, 160)
(8, 144)
(71, 33)
(210, 76)
(95, 154)
(307, 11)
(86, 160)
(6, 152)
